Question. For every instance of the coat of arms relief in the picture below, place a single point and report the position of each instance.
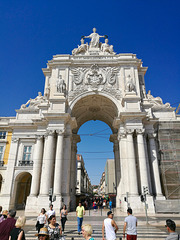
(95, 79)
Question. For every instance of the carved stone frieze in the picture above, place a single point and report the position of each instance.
(95, 79)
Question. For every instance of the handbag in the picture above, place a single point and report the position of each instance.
(37, 225)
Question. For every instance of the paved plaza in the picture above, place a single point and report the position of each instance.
(154, 230)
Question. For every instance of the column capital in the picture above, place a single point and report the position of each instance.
(39, 137)
(14, 139)
(140, 131)
(130, 131)
(49, 133)
(60, 132)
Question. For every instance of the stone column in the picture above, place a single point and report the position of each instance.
(131, 164)
(73, 175)
(37, 164)
(154, 161)
(66, 166)
(142, 159)
(48, 164)
(58, 164)
(7, 194)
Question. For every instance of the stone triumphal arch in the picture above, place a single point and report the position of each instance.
(94, 83)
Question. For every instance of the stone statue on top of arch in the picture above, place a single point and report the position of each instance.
(94, 43)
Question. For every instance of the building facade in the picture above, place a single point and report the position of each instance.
(83, 184)
(38, 147)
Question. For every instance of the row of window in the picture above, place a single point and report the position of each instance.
(26, 159)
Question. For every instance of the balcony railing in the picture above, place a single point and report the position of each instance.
(1, 163)
(25, 163)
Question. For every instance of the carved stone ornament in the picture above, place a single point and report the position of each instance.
(130, 87)
(95, 79)
(157, 101)
(140, 130)
(33, 103)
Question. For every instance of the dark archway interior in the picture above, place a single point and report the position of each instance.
(23, 190)
(95, 107)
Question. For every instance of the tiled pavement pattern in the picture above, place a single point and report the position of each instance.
(154, 230)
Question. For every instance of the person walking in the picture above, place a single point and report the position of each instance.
(87, 232)
(110, 227)
(41, 219)
(7, 225)
(43, 234)
(18, 232)
(110, 204)
(130, 223)
(50, 211)
(171, 228)
(54, 229)
(63, 217)
(79, 213)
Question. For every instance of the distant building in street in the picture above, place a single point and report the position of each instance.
(83, 184)
(102, 184)
(110, 177)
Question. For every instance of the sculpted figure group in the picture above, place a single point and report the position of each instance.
(94, 44)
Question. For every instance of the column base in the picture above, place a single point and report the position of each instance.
(6, 201)
(57, 205)
(160, 197)
(134, 201)
(31, 204)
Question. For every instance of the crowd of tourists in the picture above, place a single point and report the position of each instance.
(48, 228)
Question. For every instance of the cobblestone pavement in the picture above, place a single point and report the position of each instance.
(153, 230)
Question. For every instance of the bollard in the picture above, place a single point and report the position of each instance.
(89, 211)
(101, 211)
(72, 238)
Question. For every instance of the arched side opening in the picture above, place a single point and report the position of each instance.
(23, 186)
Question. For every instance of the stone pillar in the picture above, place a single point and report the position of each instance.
(131, 164)
(142, 159)
(75, 140)
(7, 194)
(48, 164)
(155, 167)
(124, 184)
(58, 164)
(66, 166)
(37, 164)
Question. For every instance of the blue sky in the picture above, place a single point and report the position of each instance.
(33, 31)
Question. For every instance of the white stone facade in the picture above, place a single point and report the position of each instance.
(94, 83)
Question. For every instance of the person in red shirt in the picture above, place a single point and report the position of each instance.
(7, 225)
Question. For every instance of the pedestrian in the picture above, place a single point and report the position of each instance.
(130, 223)
(79, 213)
(54, 229)
(63, 217)
(50, 211)
(41, 219)
(110, 204)
(94, 206)
(110, 227)
(43, 234)
(7, 225)
(3, 215)
(18, 232)
(171, 228)
(104, 203)
(87, 232)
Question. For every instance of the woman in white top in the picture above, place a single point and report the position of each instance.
(41, 219)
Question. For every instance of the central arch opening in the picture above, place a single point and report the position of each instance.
(95, 115)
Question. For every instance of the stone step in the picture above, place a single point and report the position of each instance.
(144, 233)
